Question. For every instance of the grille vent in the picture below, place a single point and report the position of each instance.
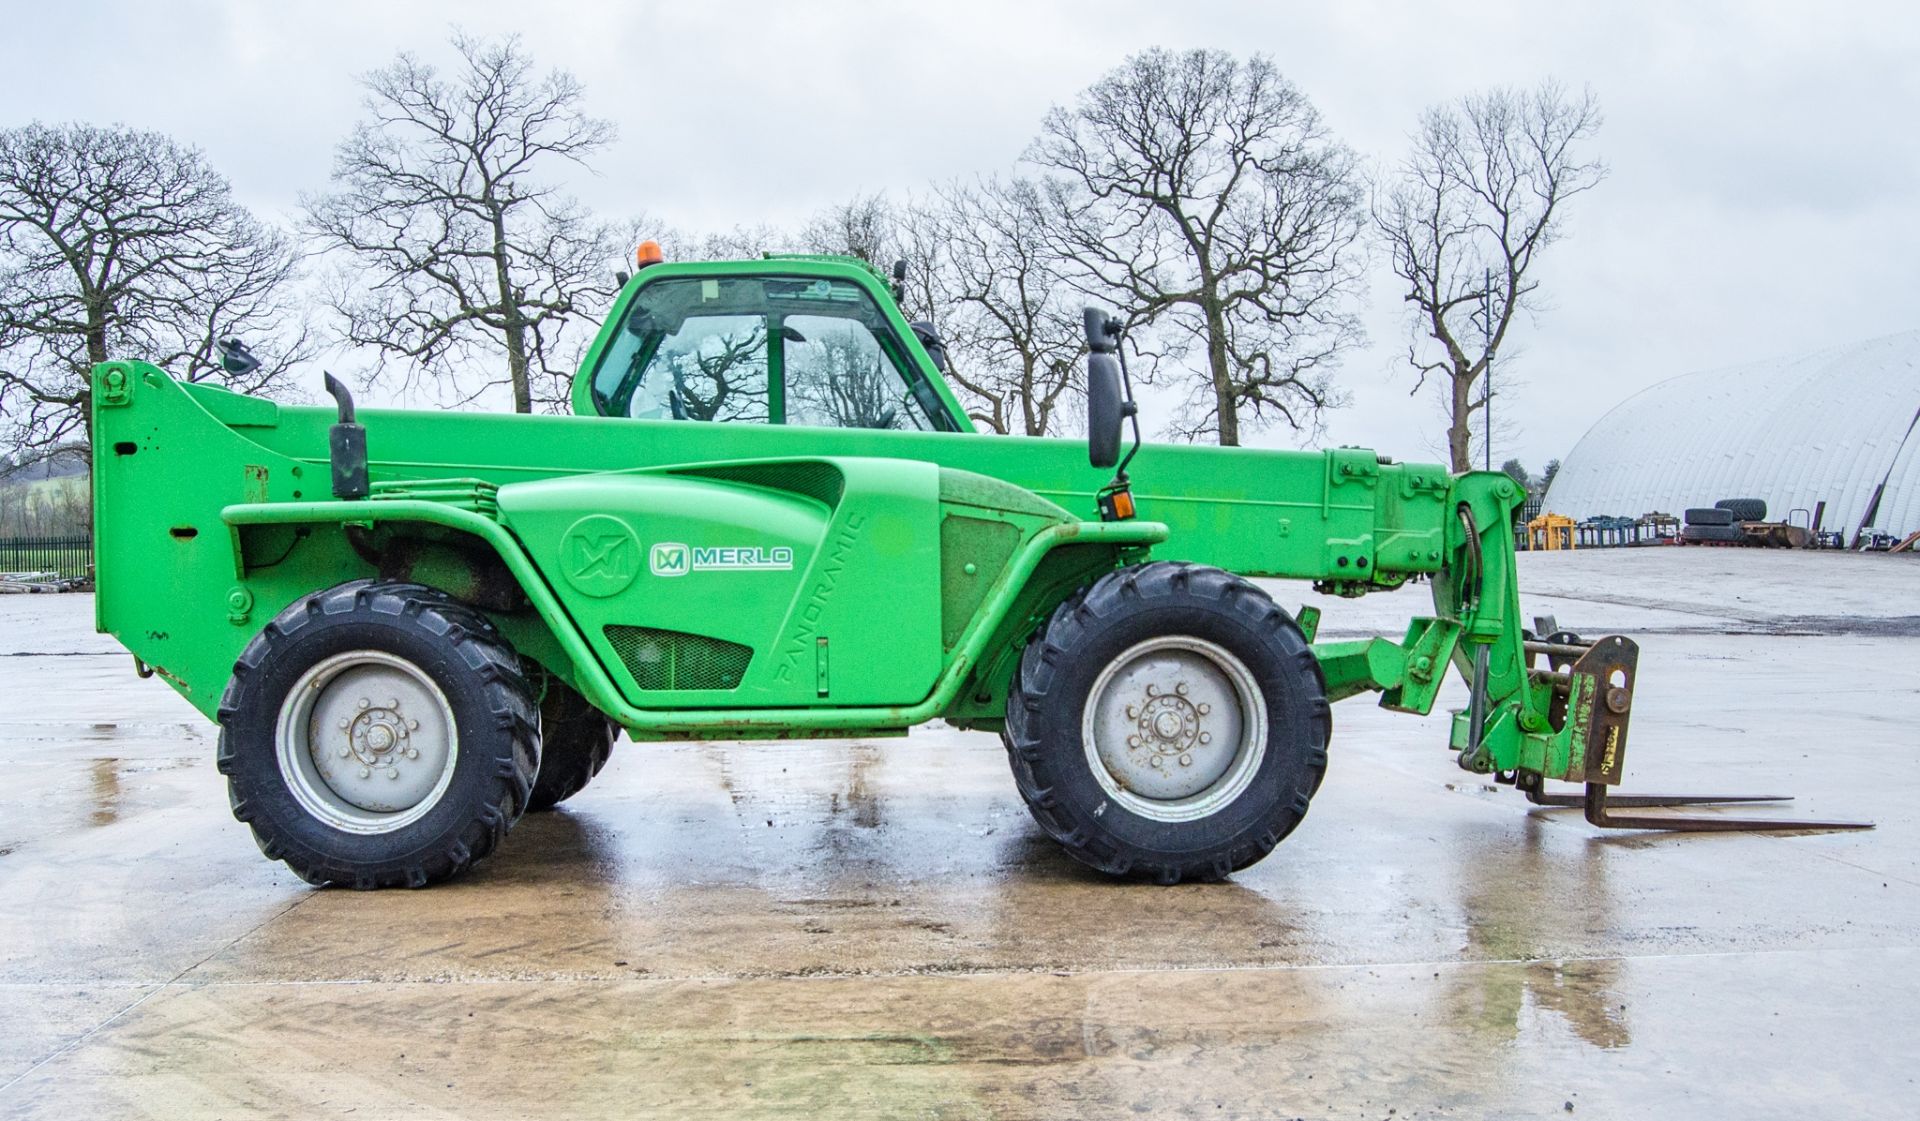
(661, 659)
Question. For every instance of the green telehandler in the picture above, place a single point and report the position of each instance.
(770, 517)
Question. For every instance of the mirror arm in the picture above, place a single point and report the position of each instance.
(1131, 411)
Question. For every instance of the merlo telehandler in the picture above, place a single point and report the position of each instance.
(770, 517)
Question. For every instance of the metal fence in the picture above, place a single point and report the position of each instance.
(68, 556)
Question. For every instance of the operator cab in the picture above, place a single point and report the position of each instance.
(766, 349)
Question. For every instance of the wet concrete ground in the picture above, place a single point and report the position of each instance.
(874, 929)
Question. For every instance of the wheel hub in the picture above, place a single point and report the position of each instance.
(377, 733)
(1170, 726)
(1175, 727)
(367, 742)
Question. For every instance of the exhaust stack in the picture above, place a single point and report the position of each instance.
(347, 446)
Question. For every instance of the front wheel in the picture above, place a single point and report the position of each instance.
(1170, 722)
(377, 735)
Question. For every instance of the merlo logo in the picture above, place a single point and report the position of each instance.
(600, 555)
(669, 559)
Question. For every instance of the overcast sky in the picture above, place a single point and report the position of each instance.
(1764, 196)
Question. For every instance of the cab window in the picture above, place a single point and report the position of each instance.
(838, 376)
(714, 367)
(780, 350)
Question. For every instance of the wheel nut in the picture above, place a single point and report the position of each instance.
(1205, 708)
(393, 772)
(1206, 737)
(413, 753)
(365, 772)
(1153, 690)
(1186, 760)
(393, 702)
(414, 724)
(1181, 688)
(344, 752)
(365, 703)
(1133, 713)
(345, 723)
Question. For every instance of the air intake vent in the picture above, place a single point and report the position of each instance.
(816, 480)
(660, 659)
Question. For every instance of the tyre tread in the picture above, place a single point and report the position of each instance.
(1068, 628)
(576, 740)
(472, 640)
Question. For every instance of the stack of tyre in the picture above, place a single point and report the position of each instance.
(1719, 524)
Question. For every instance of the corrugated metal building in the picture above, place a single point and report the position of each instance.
(1841, 426)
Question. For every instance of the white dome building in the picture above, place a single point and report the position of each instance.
(1841, 427)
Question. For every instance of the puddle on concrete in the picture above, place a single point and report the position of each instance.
(105, 792)
(1509, 910)
(108, 788)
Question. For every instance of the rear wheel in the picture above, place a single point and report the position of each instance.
(378, 735)
(1170, 722)
(576, 740)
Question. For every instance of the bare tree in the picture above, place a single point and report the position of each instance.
(459, 247)
(741, 243)
(865, 226)
(1465, 218)
(1206, 197)
(881, 232)
(981, 270)
(1009, 317)
(121, 243)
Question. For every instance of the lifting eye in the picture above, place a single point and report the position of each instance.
(125, 447)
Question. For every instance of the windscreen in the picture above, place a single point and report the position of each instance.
(760, 349)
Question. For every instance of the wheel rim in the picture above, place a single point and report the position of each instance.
(1175, 728)
(366, 742)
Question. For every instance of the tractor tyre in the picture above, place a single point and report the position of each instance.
(1170, 722)
(1709, 515)
(575, 742)
(1744, 509)
(378, 735)
(1714, 535)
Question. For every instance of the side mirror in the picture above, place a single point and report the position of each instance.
(236, 359)
(931, 342)
(1106, 394)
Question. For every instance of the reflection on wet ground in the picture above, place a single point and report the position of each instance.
(106, 792)
(1506, 907)
(876, 929)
